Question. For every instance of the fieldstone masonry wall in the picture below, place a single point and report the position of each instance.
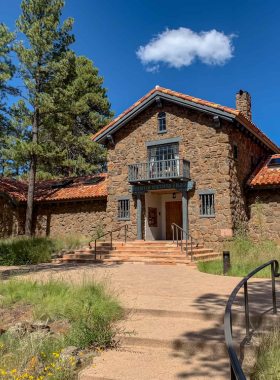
(12, 219)
(239, 171)
(210, 151)
(58, 219)
(264, 214)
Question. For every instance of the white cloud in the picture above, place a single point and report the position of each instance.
(181, 47)
(153, 69)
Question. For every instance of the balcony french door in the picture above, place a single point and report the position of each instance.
(163, 161)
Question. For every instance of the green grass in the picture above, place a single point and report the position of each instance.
(23, 250)
(245, 255)
(89, 307)
(268, 358)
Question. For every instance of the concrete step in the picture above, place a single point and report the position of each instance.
(166, 243)
(127, 260)
(155, 247)
(144, 251)
(124, 261)
(167, 256)
(143, 363)
(168, 348)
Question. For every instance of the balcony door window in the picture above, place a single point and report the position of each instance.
(163, 161)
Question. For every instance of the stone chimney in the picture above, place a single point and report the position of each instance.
(243, 103)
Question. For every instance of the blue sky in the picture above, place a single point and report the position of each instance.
(110, 33)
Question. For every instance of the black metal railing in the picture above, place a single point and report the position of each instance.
(235, 367)
(156, 170)
(184, 235)
(111, 237)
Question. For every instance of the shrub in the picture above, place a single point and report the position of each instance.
(245, 255)
(90, 309)
(268, 358)
(23, 250)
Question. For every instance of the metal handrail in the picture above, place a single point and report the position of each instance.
(188, 236)
(109, 233)
(235, 367)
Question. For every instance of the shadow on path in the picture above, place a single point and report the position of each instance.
(6, 272)
(204, 353)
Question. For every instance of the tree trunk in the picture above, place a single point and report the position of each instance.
(32, 178)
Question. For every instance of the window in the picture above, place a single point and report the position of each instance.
(163, 152)
(207, 203)
(163, 161)
(92, 181)
(235, 152)
(123, 208)
(274, 161)
(62, 184)
(161, 122)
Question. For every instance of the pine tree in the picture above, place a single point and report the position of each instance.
(7, 71)
(90, 111)
(46, 65)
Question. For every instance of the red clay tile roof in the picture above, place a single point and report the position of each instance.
(263, 175)
(17, 189)
(239, 115)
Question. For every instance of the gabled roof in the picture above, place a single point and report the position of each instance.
(265, 176)
(186, 100)
(17, 190)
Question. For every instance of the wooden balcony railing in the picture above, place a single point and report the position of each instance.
(158, 170)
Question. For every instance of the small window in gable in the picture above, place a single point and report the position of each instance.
(162, 122)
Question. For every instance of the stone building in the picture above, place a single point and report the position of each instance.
(62, 207)
(177, 159)
(172, 159)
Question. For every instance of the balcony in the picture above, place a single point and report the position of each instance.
(158, 171)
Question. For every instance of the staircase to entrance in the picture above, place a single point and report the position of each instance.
(139, 252)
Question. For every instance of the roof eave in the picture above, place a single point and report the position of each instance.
(259, 135)
(263, 187)
(151, 99)
(64, 200)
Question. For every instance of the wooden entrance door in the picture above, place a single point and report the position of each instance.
(173, 215)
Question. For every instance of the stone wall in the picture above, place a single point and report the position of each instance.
(264, 214)
(239, 170)
(209, 150)
(67, 218)
(12, 219)
(55, 219)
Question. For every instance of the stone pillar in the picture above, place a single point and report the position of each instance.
(185, 211)
(139, 216)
